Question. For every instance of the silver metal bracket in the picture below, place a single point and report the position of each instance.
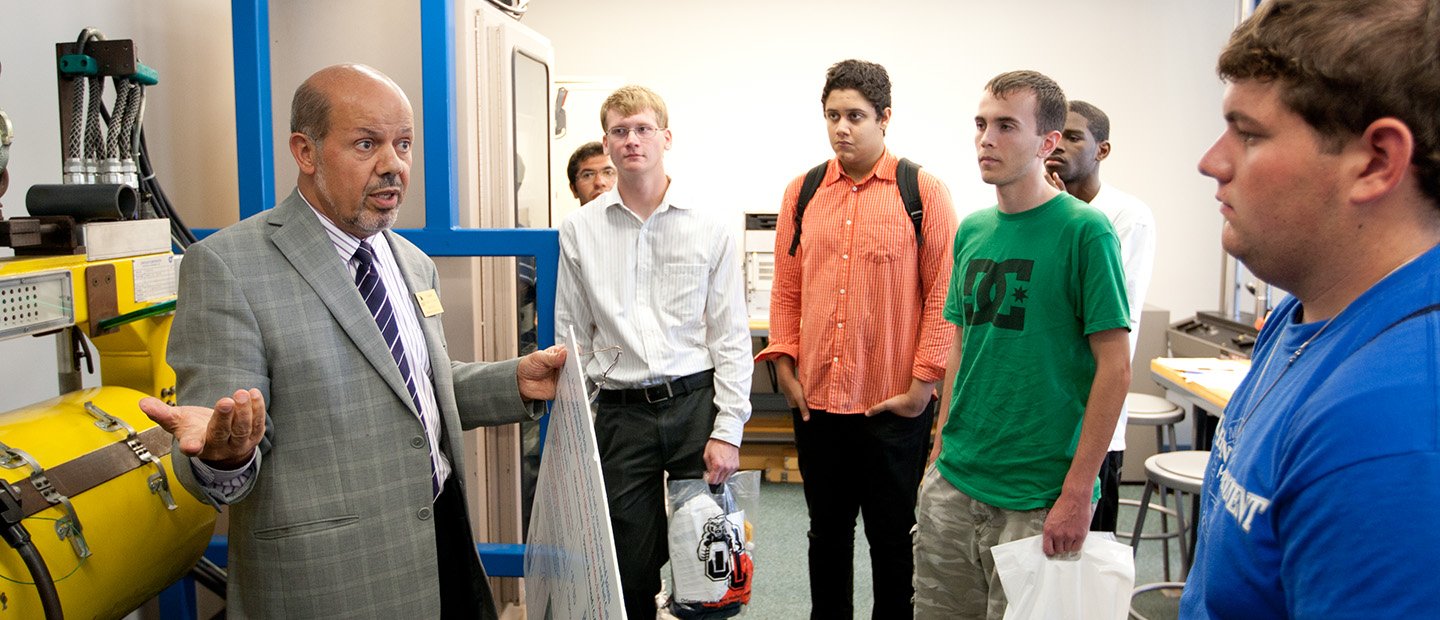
(106, 422)
(68, 526)
(159, 481)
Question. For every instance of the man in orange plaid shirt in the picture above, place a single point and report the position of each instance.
(859, 343)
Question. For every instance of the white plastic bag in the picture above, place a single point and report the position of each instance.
(1095, 586)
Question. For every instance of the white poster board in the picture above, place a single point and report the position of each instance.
(570, 567)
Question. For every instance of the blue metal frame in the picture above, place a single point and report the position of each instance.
(437, 84)
(255, 149)
(177, 602)
(442, 234)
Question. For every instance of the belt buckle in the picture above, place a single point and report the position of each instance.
(669, 393)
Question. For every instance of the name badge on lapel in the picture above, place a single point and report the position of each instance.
(429, 303)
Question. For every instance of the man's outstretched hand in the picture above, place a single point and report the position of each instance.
(224, 437)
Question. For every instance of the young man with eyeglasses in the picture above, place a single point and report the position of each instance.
(591, 172)
(858, 342)
(647, 271)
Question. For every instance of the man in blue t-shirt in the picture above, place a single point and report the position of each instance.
(1322, 497)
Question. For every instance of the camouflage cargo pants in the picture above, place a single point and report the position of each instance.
(954, 571)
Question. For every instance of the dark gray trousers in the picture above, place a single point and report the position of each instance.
(639, 443)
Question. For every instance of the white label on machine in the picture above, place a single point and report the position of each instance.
(155, 276)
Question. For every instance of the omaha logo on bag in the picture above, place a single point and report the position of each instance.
(722, 552)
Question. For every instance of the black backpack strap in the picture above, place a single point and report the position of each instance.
(907, 176)
(807, 191)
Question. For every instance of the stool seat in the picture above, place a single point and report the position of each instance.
(1151, 410)
(1173, 474)
(1183, 470)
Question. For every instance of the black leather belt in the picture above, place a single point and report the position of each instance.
(661, 392)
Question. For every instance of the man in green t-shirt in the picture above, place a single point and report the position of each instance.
(1039, 367)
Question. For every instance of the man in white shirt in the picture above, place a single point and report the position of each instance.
(1074, 166)
(651, 285)
(590, 172)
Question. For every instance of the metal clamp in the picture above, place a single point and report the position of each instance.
(106, 422)
(68, 526)
(159, 482)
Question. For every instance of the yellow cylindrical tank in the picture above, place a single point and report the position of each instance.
(137, 544)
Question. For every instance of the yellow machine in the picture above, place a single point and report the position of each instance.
(91, 473)
(93, 520)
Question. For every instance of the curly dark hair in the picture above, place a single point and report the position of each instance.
(870, 79)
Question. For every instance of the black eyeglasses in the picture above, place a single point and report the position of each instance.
(604, 376)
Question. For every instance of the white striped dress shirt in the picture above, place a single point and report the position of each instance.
(666, 290)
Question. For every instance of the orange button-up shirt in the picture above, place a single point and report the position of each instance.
(859, 305)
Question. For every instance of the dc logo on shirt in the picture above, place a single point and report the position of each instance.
(990, 288)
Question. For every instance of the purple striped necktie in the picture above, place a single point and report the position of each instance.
(367, 279)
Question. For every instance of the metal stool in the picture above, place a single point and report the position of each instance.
(1150, 410)
(1174, 474)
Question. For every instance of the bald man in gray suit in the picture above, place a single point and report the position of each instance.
(317, 398)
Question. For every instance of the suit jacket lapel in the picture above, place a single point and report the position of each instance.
(413, 267)
(304, 242)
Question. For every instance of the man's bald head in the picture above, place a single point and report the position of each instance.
(310, 109)
(352, 134)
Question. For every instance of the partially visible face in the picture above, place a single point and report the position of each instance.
(632, 154)
(595, 176)
(1278, 189)
(362, 166)
(1006, 142)
(857, 129)
(1077, 155)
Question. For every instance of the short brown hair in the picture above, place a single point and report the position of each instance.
(1343, 64)
(1050, 105)
(631, 100)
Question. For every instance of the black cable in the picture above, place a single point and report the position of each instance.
(208, 574)
(17, 536)
(150, 186)
(40, 574)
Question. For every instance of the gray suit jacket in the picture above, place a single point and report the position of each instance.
(337, 523)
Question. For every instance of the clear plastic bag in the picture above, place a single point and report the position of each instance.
(711, 565)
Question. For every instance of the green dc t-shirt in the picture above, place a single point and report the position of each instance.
(1026, 291)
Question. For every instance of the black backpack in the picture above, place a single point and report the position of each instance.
(907, 176)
